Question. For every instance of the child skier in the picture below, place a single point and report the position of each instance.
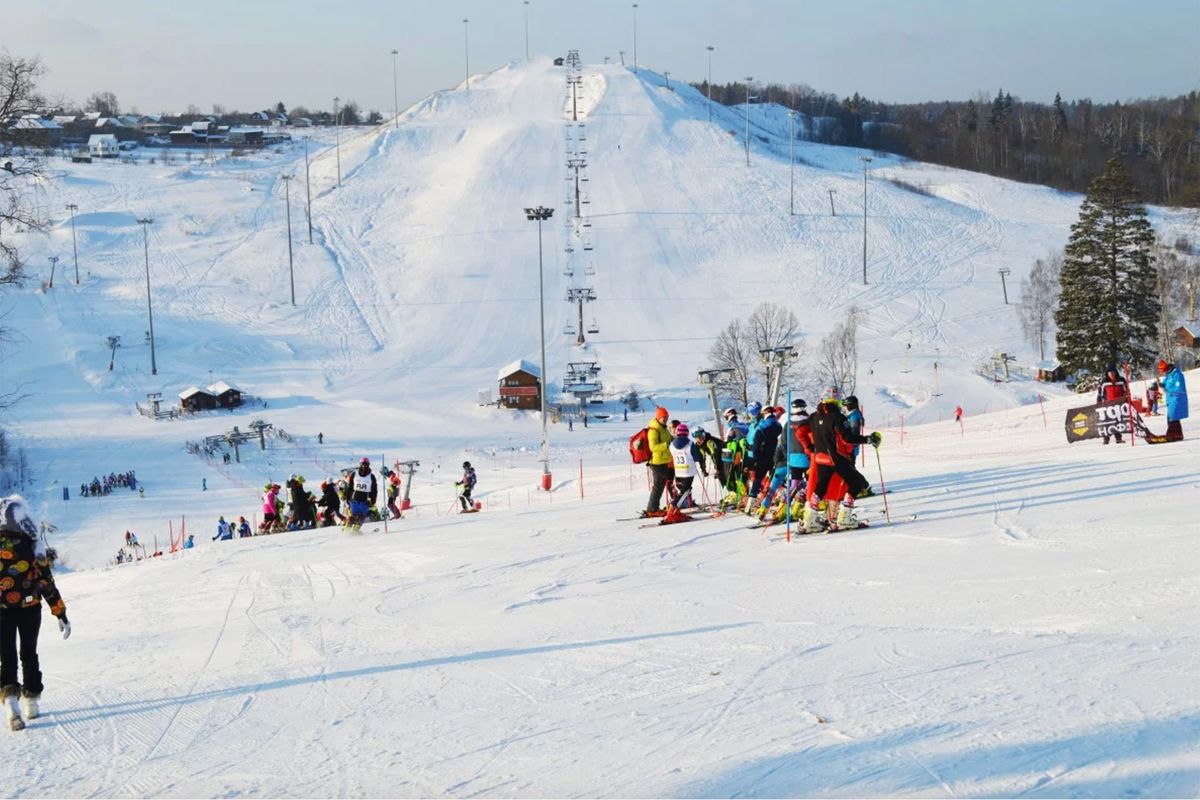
(465, 486)
(25, 565)
(685, 457)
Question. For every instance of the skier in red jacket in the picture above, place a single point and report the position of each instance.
(1113, 387)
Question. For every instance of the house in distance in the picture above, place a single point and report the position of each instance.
(521, 386)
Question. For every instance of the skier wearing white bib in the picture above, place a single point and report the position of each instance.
(685, 456)
(361, 494)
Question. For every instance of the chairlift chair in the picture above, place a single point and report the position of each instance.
(568, 329)
(593, 328)
(589, 269)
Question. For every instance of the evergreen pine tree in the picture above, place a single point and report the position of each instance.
(1108, 310)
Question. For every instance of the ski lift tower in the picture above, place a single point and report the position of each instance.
(775, 359)
(579, 297)
(712, 378)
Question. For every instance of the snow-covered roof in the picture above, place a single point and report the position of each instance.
(190, 391)
(97, 138)
(34, 122)
(1048, 364)
(520, 365)
(221, 387)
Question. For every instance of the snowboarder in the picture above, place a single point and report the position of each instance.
(361, 494)
(1112, 387)
(465, 485)
(27, 580)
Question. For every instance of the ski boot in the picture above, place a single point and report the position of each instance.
(814, 518)
(29, 704)
(9, 696)
(846, 520)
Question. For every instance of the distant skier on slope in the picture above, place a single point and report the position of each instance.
(465, 485)
(27, 579)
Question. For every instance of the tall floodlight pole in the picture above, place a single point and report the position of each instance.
(467, 50)
(541, 214)
(792, 160)
(865, 161)
(526, 30)
(146, 222)
(748, 79)
(287, 199)
(1004, 273)
(710, 52)
(337, 139)
(635, 61)
(307, 191)
(74, 248)
(53, 266)
(395, 94)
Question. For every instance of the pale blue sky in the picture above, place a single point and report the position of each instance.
(249, 53)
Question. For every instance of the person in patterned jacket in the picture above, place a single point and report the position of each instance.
(25, 580)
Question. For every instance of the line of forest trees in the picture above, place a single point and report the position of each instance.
(1061, 144)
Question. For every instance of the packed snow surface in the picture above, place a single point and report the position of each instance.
(1026, 624)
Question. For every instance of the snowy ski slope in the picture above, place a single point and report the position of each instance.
(1031, 631)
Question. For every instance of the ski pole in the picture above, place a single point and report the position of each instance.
(882, 486)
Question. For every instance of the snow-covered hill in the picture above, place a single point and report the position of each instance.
(1029, 632)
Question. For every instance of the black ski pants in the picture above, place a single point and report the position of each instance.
(465, 498)
(683, 489)
(659, 475)
(844, 468)
(24, 623)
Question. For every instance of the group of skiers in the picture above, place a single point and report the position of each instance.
(105, 485)
(349, 500)
(774, 462)
(1173, 388)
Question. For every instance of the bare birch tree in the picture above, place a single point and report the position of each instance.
(1039, 299)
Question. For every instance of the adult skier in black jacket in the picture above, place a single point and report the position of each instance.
(828, 426)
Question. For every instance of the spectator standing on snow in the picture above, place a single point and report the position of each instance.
(1112, 387)
(660, 460)
(27, 580)
(1175, 397)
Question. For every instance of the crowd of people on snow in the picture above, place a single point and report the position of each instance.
(349, 500)
(104, 485)
(773, 462)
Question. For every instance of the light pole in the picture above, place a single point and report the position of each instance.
(467, 50)
(526, 30)
(635, 61)
(1004, 273)
(865, 161)
(74, 248)
(287, 199)
(395, 94)
(832, 210)
(53, 265)
(541, 214)
(748, 79)
(667, 78)
(146, 222)
(709, 48)
(337, 139)
(792, 159)
(307, 191)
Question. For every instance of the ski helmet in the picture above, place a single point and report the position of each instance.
(365, 460)
(14, 516)
(466, 465)
(699, 433)
(799, 404)
(730, 413)
(851, 402)
(754, 409)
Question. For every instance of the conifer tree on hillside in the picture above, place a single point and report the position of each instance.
(1108, 309)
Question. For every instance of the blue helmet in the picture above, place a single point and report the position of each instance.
(754, 409)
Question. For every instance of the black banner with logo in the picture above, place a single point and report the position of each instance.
(1112, 418)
